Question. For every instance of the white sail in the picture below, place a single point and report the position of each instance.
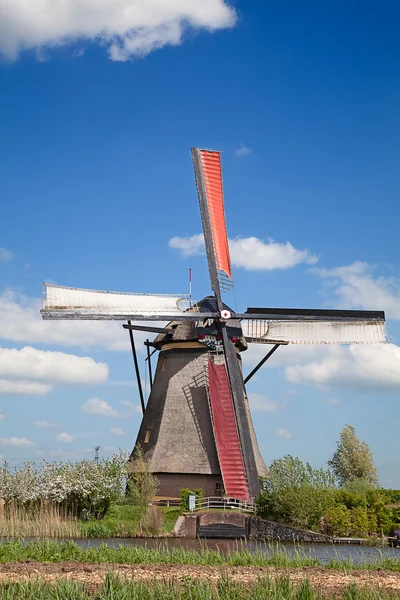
(316, 332)
(65, 302)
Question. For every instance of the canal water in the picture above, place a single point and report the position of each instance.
(323, 552)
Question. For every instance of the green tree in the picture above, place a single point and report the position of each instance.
(353, 459)
(295, 493)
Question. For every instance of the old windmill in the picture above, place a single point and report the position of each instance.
(197, 429)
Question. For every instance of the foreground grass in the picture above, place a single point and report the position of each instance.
(116, 588)
(276, 556)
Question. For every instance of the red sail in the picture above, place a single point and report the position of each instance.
(226, 433)
(212, 177)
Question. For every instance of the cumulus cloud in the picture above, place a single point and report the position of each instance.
(96, 406)
(127, 28)
(30, 363)
(284, 433)
(243, 150)
(364, 368)
(117, 431)
(189, 246)
(45, 424)
(5, 255)
(261, 403)
(250, 253)
(133, 408)
(64, 438)
(16, 442)
(24, 388)
(355, 286)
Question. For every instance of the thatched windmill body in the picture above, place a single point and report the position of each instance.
(197, 429)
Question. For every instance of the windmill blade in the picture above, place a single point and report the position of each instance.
(302, 326)
(208, 172)
(74, 303)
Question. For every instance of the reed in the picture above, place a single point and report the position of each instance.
(42, 520)
(117, 588)
(263, 556)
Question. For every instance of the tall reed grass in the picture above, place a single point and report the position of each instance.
(44, 520)
(263, 556)
(116, 588)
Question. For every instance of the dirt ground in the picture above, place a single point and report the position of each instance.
(331, 581)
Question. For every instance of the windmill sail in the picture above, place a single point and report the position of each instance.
(303, 326)
(74, 303)
(208, 172)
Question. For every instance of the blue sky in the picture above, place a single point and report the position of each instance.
(98, 111)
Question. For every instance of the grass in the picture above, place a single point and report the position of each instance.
(122, 520)
(116, 588)
(43, 520)
(276, 556)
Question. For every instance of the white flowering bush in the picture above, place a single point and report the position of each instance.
(88, 484)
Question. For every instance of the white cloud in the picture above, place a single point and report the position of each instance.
(189, 246)
(355, 286)
(254, 254)
(2, 415)
(117, 431)
(136, 408)
(250, 253)
(30, 363)
(24, 388)
(284, 433)
(243, 150)
(45, 424)
(364, 368)
(16, 442)
(332, 401)
(261, 403)
(95, 406)
(64, 438)
(127, 28)
(5, 255)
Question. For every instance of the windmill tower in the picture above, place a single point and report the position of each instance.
(197, 429)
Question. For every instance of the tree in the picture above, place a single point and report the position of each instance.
(353, 459)
(296, 493)
(142, 487)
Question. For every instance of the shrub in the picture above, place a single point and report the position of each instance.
(186, 492)
(94, 529)
(359, 521)
(337, 521)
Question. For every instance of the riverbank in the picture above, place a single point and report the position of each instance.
(195, 581)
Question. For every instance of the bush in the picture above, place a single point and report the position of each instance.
(186, 492)
(87, 485)
(359, 521)
(94, 529)
(295, 493)
(337, 520)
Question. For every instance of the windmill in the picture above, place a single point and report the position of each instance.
(197, 429)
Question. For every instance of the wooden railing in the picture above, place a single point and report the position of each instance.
(225, 503)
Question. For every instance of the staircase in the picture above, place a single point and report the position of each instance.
(225, 432)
